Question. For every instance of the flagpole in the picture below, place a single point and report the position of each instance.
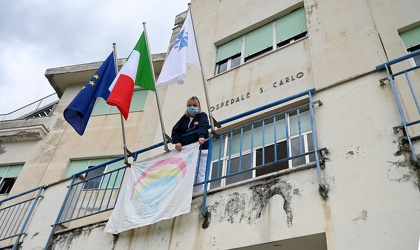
(203, 77)
(165, 137)
(114, 45)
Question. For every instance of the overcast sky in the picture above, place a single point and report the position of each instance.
(39, 34)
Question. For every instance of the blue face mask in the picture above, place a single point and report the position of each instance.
(192, 110)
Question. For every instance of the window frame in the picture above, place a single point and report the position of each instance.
(275, 45)
(416, 59)
(411, 41)
(6, 184)
(9, 178)
(106, 169)
(225, 158)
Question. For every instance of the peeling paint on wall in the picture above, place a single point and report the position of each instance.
(65, 240)
(354, 153)
(235, 207)
(248, 208)
(263, 193)
(408, 162)
(21, 135)
(362, 216)
(310, 9)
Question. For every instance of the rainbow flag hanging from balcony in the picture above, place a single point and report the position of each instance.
(156, 189)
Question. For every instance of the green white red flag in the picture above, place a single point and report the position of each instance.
(137, 70)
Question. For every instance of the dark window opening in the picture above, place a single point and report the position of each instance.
(416, 58)
(94, 178)
(298, 147)
(235, 61)
(228, 63)
(270, 159)
(236, 167)
(222, 66)
(6, 185)
(294, 38)
(216, 171)
(259, 53)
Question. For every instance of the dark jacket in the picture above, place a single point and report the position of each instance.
(198, 129)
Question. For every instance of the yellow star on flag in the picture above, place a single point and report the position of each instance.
(96, 76)
(92, 83)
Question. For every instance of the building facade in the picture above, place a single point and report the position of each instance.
(318, 145)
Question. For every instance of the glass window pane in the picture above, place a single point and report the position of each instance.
(100, 107)
(216, 171)
(270, 158)
(94, 178)
(236, 167)
(259, 39)
(237, 144)
(411, 37)
(229, 49)
(298, 144)
(291, 25)
(305, 123)
(222, 67)
(139, 98)
(236, 60)
(273, 131)
(6, 185)
(310, 147)
(114, 179)
(417, 60)
(218, 148)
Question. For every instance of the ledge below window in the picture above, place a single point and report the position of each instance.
(30, 133)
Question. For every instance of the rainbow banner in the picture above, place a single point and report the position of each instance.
(156, 189)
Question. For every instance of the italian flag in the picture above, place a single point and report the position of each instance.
(137, 70)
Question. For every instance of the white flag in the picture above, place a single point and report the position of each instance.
(183, 51)
(157, 188)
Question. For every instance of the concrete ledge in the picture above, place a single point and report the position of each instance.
(30, 133)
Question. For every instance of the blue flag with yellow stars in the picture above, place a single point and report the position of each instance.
(78, 112)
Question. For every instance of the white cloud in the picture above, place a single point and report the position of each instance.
(42, 34)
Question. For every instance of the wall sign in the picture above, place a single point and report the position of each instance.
(247, 95)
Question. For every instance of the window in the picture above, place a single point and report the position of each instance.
(272, 144)
(411, 39)
(258, 42)
(262, 40)
(137, 104)
(8, 175)
(107, 176)
(228, 53)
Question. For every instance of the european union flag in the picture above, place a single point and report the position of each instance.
(78, 112)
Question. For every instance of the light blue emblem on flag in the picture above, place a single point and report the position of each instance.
(181, 40)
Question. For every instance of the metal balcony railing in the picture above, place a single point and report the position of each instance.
(413, 86)
(14, 218)
(42, 107)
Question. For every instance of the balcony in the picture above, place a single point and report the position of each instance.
(269, 141)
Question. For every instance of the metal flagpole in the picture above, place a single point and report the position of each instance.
(164, 135)
(114, 45)
(212, 120)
